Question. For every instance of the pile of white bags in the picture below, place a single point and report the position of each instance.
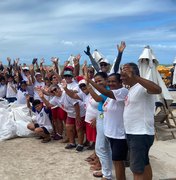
(13, 120)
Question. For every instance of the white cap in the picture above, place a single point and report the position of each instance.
(25, 68)
(82, 81)
(103, 60)
(37, 73)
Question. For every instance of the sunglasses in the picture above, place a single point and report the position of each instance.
(82, 86)
(53, 90)
(103, 64)
(91, 72)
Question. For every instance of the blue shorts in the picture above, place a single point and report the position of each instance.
(139, 146)
(119, 149)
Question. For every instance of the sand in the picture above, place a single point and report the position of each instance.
(29, 159)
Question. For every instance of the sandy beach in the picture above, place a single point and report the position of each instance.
(27, 158)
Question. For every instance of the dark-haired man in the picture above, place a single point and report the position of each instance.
(139, 119)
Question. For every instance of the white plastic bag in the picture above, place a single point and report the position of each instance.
(7, 124)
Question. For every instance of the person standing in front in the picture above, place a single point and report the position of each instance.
(139, 119)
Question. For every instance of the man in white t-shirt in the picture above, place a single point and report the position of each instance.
(139, 119)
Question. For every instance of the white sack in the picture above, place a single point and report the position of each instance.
(7, 124)
(22, 119)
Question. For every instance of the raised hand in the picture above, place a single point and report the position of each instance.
(27, 97)
(8, 59)
(64, 83)
(76, 60)
(66, 63)
(42, 61)
(93, 123)
(31, 67)
(86, 75)
(54, 59)
(87, 51)
(40, 93)
(34, 60)
(121, 47)
(17, 60)
(127, 71)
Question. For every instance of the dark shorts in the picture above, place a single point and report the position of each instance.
(44, 128)
(11, 100)
(119, 149)
(139, 146)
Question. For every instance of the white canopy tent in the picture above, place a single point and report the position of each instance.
(147, 66)
(70, 59)
(98, 56)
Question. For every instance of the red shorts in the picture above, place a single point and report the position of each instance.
(58, 113)
(90, 133)
(72, 121)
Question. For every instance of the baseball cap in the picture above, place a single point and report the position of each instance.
(71, 68)
(82, 82)
(68, 73)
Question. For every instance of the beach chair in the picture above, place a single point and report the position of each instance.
(165, 121)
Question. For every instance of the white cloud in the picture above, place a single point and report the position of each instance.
(45, 28)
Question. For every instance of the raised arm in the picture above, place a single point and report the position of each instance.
(95, 96)
(129, 75)
(119, 57)
(102, 90)
(69, 92)
(76, 65)
(151, 87)
(46, 102)
(55, 63)
(94, 63)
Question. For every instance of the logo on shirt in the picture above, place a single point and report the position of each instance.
(126, 101)
(41, 114)
(105, 106)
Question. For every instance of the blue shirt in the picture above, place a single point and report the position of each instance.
(100, 104)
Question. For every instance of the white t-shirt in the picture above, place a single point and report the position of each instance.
(43, 119)
(73, 86)
(84, 98)
(10, 92)
(30, 88)
(139, 111)
(91, 110)
(113, 114)
(21, 96)
(3, 89)
(38, 85)
(67, 104)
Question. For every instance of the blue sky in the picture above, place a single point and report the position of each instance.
(42, 28)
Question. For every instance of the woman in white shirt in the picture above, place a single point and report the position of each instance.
(113, 121)
(75, 115)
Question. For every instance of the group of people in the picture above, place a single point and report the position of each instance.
(113, 111)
